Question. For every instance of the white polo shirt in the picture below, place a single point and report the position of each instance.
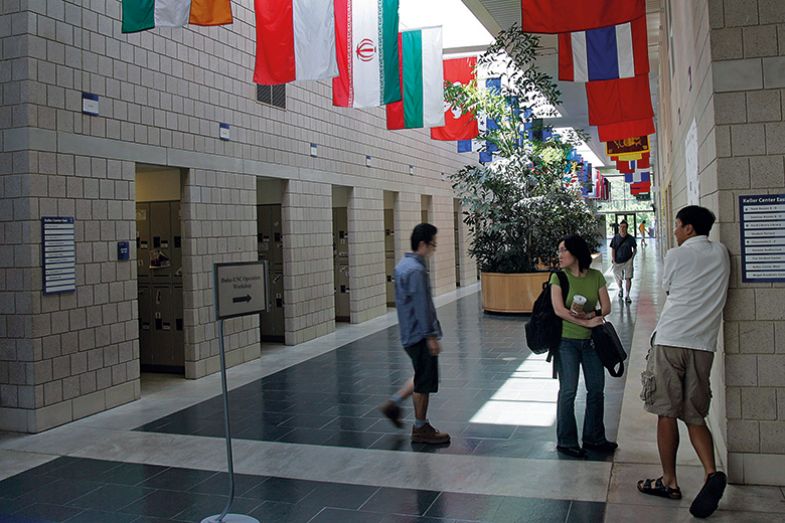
(695, 277)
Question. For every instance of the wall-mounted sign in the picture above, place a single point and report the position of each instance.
(240, 288)
(223, 131)
(123, 251)
(90, 104)
(691, 164)
(58, 254)
(762, 237)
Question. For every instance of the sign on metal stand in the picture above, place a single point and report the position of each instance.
(240, 288)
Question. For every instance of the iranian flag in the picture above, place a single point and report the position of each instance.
(295, 40)
(140, 15)
(422, 81)
(366, 33)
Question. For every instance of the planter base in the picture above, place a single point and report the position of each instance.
(511, 293)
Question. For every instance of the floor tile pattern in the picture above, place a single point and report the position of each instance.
(84, 490)
(495, 398)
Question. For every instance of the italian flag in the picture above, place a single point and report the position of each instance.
(422, 81)
(367, 41)
(140, 15)
(295, 40)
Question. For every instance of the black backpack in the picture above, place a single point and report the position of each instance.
(543, 330)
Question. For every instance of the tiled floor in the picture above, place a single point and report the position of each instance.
(496, 398)
(310, 446)
(96, 491)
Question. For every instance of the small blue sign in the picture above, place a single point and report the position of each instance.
(90, 104)
(123, 251)
(223, 132)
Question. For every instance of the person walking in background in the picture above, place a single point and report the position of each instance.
(676, 379)
(642, 229)
(420, 334)
(587, 289)
(623, 250)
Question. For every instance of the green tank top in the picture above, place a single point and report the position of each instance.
(589, 286)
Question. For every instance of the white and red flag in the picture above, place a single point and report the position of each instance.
(367, 42)
(457, 124)
(295, 40)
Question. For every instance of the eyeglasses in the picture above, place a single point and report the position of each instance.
(561, 251)
(432, 244)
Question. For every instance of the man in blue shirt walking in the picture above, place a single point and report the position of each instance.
(420, 334)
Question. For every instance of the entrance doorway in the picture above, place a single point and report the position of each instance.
(269, 235)
(159, 269)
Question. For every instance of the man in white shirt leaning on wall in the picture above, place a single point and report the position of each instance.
(676, 379)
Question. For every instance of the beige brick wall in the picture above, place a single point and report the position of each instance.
(443, 261)
(162, 95)
(219, 226)
(368, 296)
(308, 258)
(736, 51)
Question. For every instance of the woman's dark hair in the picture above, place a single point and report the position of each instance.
(578, 247)
(700, 218)
(423, 232)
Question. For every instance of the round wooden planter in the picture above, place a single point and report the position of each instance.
(512, 293)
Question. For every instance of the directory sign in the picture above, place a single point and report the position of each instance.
(240, 288)
(762, 237)
(58, 254)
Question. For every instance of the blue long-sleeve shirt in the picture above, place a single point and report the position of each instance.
(416, 312)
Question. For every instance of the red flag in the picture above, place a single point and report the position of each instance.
(614, 101)
(640, 187)
(629, 129)
(457, 126)
(565, 16)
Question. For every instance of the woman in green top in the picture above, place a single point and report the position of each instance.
(579, 314)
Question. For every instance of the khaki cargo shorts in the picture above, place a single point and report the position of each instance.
(624, 271)
(676, 383)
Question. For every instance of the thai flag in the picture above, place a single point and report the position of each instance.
(637, 177)
(607, 53)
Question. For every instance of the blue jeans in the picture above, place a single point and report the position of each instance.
(574, 354)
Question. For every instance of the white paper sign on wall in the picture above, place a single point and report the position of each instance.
(691, 152)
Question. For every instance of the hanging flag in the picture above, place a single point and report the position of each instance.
(636, 177)
(457, 125)
(640, 188)
(422, 81)
(564, 16)
(366, 33)
(630, 166)
(638, 144)
(140, 15)
(621, 130)
(606, 53)
(622, 100)
(295, 40)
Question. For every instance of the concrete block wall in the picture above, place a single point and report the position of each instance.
(162, 95)
(309, 293)
(368, 296)
(737, 96)
(443, 261)
(219, 225)
(69, 355)
(407, 216)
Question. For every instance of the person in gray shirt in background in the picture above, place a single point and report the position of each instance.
(420, 335)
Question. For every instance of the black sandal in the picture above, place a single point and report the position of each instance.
(708, 499)
(655, 487)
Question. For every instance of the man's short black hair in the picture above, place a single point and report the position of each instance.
(624, 222)
(578, 247)
(423, 232)
(700, 218)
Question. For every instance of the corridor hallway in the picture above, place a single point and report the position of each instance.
(310, 445)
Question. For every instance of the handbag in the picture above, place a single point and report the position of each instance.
(609, 349)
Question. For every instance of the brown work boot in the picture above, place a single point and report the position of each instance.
(428, 434)
(392, 412)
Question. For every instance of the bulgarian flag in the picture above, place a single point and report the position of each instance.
(140, 15)
(366, 32)
(295, 40)
(422, 81)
